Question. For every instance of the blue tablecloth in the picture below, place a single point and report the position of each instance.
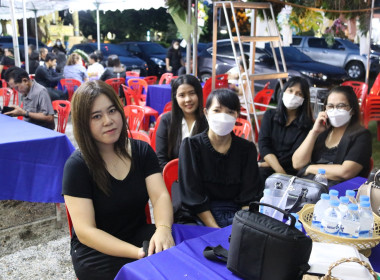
(31, 161)
(127, 78)
(158, 96)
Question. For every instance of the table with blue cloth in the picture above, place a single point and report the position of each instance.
(158, 96)
(186, 260)
(127, 78)
(31, 161)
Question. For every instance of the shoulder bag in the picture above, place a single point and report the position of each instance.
(372, 188)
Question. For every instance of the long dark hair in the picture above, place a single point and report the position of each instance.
(175, 129)
(82, 102)
(304, 113)
(225, 97)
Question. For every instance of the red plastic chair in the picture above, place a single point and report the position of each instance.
(361, 90)
(129, 95)
(70, 85)
(63, 108)
(135, 116)
(3, 83)
(165, 78)
(242, 128)
(153, 132)
(69, 222)
(375, 89)
(115, 84)
(220, 82)
(168, 107)
(170, 174)
(263, 97)
(372, 112)
(32, 76)
(6, 93)
(151, 80)
(132, 74)
(139, 136)
(139, 85)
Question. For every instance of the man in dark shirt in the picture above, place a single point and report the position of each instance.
(37, 106)
(49, 78)
(7, 60)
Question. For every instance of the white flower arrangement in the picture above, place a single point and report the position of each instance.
(83, 55)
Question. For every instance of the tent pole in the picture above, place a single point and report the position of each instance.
(25, 27)
(14, 35)
(98, 25)
(369, 43)
(188, 40)
(36, 27)
(195, 40)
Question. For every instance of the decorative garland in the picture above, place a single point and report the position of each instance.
(82, 54)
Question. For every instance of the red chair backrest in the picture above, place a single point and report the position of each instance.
(6, 93)
(139, 136)
(220, 82)
(115, 83)
(135, 115)
(3, 83)
(63, 108)
(170, 174)
(242, 128)
(70, 223)
(153, 137)
(360, 89)
(70, 85)
(138, 85)
(166, 77)
(129, 95)
(32, 76)
(132, 74)
(375, 89)
(151, 80)
(263, 96)
(372, 109)
(168, 107)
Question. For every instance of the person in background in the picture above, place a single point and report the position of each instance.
(114, 68)
(49, 78)
(185, 119)
(37, 108)
(61, 59)
(107, 184)
(283, 129)
(95, 70)
(58, 45)
(218, 172)
(182, 70)
(7, 60)
(101, 59)
(337, 142)
(43, 53)
(74, 68)
(173, 58)
(33, 61)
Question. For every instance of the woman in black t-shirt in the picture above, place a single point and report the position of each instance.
(337, 142)
(106, 185)
(174, 58)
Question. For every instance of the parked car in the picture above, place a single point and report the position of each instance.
(298, 64)
(154, 54)
(7, 42)
(343, 53)
(130, 62)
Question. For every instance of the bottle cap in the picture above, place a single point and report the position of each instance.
(333, 193)
(325, 196)
(364, 203)
(267, 192)
(353, 206)
(364, 198)
(321, 171)
(343, 199)
(350, 193)
(334, 202)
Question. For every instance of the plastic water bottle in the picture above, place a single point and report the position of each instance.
(351, 196)
(350, 224)
(297, 225)
(321, 177)
(343, 206)
(332, 218)
(363, 198)
(267, 198)
(366, 220)
(334, 195)
(319, 210)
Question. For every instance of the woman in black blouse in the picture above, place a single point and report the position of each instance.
(283, 130)
(218, 172)
(337, 142)
(185, 119)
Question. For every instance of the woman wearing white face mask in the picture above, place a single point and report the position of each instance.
(173, 58)
(283, 129)
(218, 172)
(337, 141)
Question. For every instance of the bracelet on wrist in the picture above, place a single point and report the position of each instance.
(165, 226)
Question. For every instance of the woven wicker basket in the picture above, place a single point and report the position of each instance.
(364, 245)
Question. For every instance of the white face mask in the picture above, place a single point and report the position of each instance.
(338, 118)
(221, 123)
(58, 43)
(292, 101)
(175, 47)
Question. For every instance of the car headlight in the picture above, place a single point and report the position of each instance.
(158, 61)
(319, 76)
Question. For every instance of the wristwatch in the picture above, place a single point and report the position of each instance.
(26, 114)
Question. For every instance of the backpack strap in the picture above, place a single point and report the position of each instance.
(217, 253)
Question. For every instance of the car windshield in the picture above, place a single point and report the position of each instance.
(153, 48)
(112, 49)
(291, 54)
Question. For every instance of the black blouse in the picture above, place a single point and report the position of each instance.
(206, 175)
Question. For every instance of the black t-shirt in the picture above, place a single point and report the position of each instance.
(124, 210)
(174, 58)
(7, 61)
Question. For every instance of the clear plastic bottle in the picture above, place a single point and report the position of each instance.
(334, 195)
(366, 220)
(363, 198)
(350, 224)
(267, 198)
(343, 206)
(319, 210)
(351, 196)
(332, 218)
(321, 177)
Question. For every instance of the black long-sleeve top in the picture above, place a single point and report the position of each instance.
(280, 140)
(47, 76)
(206, 175)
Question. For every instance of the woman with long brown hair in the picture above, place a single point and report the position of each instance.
(106, 185)
(74, 68)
